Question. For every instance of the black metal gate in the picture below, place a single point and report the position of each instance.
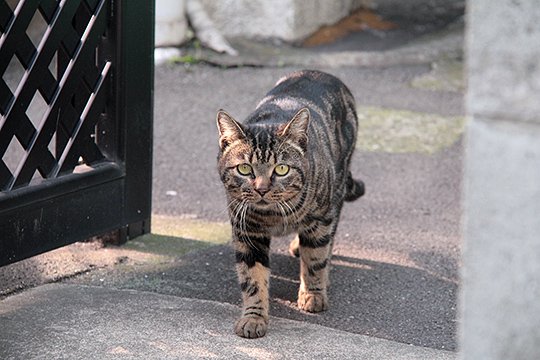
(76, 122)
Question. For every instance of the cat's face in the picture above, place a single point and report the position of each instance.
(263, 165)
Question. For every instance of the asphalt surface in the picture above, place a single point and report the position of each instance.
(395, 270)
(395, 267)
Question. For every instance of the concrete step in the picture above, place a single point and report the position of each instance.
(59, 321)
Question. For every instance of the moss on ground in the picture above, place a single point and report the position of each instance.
(175, 236)
(403, 131)
(446, 75)
(208, 231)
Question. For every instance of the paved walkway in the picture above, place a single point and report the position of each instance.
(174, 294)
(79, 322)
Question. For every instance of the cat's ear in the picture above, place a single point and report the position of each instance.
(229, 129)
(296, 129)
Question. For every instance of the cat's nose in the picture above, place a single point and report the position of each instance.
(261, 185)
(262, 190)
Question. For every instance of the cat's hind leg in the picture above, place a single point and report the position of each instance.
(294, 247)
(315, 240)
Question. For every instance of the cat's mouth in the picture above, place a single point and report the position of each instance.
(263, 203)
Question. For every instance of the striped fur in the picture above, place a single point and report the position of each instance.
(307, 125)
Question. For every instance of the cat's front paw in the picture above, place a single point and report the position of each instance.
(312, 302)
(251, 327)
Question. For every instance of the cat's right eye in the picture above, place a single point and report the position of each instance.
(244, 169)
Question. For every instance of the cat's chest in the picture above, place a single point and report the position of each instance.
(277, 224)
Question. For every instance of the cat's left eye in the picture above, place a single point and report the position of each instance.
(281, 170)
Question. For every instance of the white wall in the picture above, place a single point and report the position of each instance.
(171, 23)
(289, 20)
(501, 277)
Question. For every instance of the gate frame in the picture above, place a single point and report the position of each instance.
(114, 195)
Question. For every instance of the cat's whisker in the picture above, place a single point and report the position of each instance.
(227, 208)
(284, 216)
(235, 211)
(244, 230)
(291, 210)
(240, 218)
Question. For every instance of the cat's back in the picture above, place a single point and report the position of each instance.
(325, 95)
(309, 83)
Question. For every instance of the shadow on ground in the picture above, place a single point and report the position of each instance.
(382, 303)
(367, 297)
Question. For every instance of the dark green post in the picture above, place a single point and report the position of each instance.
(135, 89)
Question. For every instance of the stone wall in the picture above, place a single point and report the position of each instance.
(288, 20)
(501, 276)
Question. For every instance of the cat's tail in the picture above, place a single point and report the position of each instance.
(355, 188)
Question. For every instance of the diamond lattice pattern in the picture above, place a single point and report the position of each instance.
(54, 87)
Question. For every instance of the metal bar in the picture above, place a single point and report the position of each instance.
(134, 88)
(24, 52)
(89, 109)
(48, 125)
(107, 129)
(18, 24)
(27, 86)
(114, 194)
(6, 16)
(6, 96)
(51, 222)
(51, 188)
(5, 174)
(24, 135)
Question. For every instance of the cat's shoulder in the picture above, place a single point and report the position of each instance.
(315, 76)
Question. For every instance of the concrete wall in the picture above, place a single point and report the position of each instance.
(501, 276)
(289, 20)
(171, 24)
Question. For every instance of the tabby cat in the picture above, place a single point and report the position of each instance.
(286, 169)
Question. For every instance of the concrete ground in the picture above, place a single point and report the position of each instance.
(173, 294)
(75, 322)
